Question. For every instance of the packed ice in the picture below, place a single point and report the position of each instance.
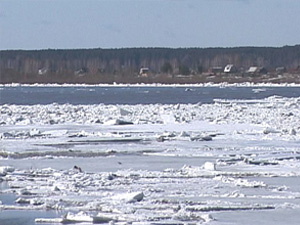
(155, 163)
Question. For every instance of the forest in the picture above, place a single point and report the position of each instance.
(135, 65)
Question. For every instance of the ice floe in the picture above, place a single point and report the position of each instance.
(153, 195)
(179, 163)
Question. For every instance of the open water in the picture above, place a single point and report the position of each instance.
(28, 95)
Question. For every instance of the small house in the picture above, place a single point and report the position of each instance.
(230, 68)
(257, 70)
(252, 69)
(42, 71)
(144, 71)
(82, 71)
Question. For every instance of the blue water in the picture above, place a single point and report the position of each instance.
(134, 95)
(25, 217)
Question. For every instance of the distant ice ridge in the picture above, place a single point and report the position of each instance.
(276, 114)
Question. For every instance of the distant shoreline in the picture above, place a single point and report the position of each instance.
(224, 84)
(152, 65)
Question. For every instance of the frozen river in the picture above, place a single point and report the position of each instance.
(150, 155)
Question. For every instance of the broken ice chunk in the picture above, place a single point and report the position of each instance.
(209, 166)
(6, 169)
(117, 122)
(201, 138)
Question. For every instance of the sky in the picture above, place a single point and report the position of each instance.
(73, 24)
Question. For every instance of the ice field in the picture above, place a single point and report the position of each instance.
(233, 161)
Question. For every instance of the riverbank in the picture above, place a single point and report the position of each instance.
(208, 84)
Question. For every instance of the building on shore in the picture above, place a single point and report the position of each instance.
(144, 72)
(230, 68)
(255, 70)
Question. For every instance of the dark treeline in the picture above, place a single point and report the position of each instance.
(123, 65)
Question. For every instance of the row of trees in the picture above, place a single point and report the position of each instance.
(96, 64)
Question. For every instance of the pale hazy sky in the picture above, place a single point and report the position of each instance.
(61, 24)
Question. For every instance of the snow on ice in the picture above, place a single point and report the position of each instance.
(113, 163)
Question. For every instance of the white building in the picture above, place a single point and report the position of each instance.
(230, 68)
(257, 70)
(42, 71)
(144, 71)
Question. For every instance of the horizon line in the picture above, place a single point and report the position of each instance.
(120, 48)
